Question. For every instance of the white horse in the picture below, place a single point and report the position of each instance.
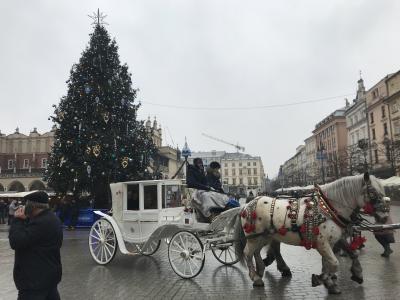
(315, 222)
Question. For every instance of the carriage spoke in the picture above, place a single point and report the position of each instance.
(108, 250)
(95, 237)
(193, 262)
(190, 268)
(229, 252)
(179, 246)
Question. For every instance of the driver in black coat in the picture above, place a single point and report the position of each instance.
(195, 176)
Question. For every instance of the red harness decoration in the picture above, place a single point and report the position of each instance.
(368, 208)
(249, 213)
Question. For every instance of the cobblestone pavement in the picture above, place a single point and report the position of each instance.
(141, 277)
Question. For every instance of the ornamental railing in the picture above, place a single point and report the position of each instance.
(22, 173)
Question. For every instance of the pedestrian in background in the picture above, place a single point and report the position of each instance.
(11, 211)
(250, 197)
(36, 236)
(3, 208)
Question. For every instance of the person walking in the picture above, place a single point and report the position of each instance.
(3, 207)
(250, 197)
(11, 211)
(36, 236)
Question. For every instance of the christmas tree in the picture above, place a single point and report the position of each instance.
(98, 138)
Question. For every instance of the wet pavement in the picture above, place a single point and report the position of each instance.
(141, 277)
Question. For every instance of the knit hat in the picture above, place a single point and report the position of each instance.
(215, 165)
(38, 197)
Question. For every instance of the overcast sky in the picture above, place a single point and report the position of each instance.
(205, 54)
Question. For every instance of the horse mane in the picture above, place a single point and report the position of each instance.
(345, 191)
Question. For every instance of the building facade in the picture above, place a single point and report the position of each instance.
(331, 141)
(23, 160)
(357, 132)
(379, 127)
(311, 164)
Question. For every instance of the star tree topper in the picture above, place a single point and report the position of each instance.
(98, 18)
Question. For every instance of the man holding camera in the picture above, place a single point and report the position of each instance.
(36, 236)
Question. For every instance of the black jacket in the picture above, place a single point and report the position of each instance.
(196, 179)
(37, 244)
(214, 182)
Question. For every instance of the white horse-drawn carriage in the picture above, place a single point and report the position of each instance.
(144, 213)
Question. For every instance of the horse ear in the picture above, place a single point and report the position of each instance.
(366, 177)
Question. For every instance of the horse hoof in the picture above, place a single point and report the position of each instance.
(359, 280)
(286, 273)
(258, 283)
(334, 290)
(315, 281)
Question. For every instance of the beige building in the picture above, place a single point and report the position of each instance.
(311, 165)
(393, 101)
(23, 160)
(379, 126)
(331, 141)
(357, 132)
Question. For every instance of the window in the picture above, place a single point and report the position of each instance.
(394, 107)
(383, 111)
(11, 164)
(240, 172)
(26, 164)
(376, 156)
(233, 164)
(375, 93)
(254, 164)
(233, 172)
(226, 172)
(255, 171)
(240, 164)
(44, 163)
(234, 181)
(133, 197)
(385, 129)
(371, 117)
(150, 196)
(248, 171)
(171, 196)
(355, 118)
(255, 181)
(225, 165)
(248, 164)
(373, 134)
(240, 180)
(249, 181)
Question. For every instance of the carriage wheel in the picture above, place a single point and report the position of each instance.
(102, 242)
(150, 248)
(225, 253)
(185, 254)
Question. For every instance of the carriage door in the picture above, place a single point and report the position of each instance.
(150, 210)
(171, 203)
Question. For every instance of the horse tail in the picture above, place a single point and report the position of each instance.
(240, 239)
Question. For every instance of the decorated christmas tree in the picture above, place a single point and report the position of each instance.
(98, 139)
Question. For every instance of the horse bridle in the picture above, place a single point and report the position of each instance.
(375, 201)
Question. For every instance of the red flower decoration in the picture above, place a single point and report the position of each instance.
(315, 230)
(254, 215)
(282, 230)
(369, 208)
(243, 214)
(288, 207)
(302, 228)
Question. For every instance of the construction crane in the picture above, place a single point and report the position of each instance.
(237, 146)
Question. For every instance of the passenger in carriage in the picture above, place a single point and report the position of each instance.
(206, 199)
(214, 177)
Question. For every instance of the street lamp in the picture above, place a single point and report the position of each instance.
(321, 149)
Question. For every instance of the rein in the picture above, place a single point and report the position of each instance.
(329, 210)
